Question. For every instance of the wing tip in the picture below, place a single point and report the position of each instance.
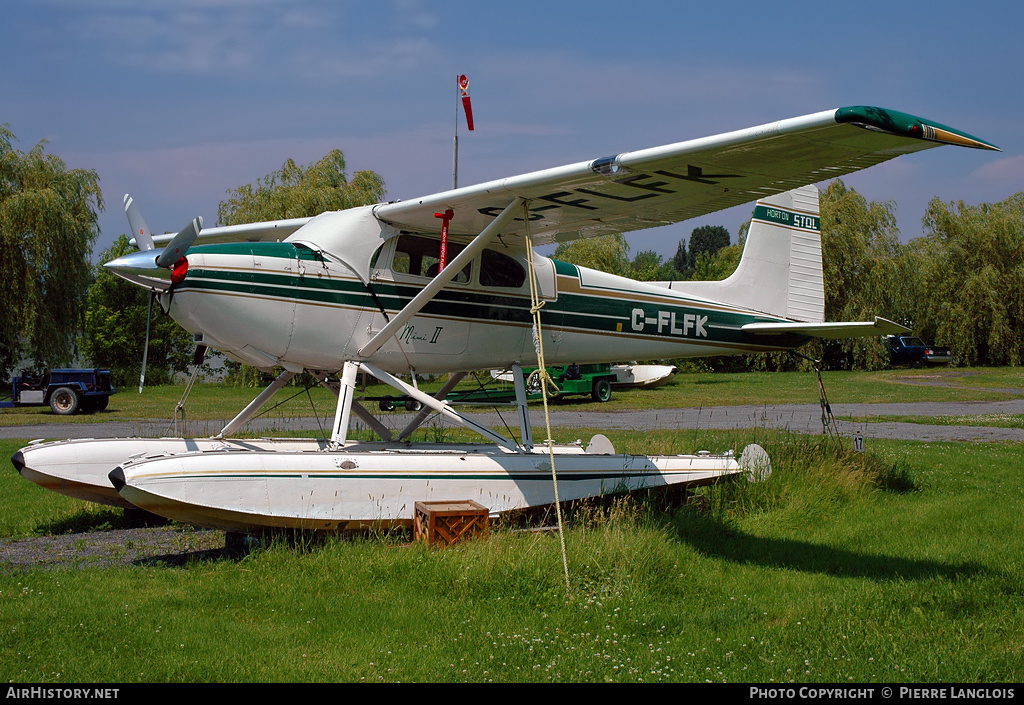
(906, 125)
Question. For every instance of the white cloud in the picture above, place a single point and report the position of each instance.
(260, 39)
(1000, 171)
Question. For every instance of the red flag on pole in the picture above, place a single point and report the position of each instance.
(464, 87)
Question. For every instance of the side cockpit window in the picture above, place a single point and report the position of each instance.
(500, 270)
(421, 257)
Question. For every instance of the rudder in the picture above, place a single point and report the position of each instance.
(780, 271)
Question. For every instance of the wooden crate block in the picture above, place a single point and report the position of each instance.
(446, 522)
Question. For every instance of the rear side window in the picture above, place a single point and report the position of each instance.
(421, 257)
(500, 270)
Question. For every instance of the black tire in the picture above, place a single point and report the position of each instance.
(65, 401)
(413, 405)
(601, 391)
(386, 405)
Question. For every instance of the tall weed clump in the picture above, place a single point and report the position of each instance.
(810, 474)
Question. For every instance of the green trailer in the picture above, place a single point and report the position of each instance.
(593, 380)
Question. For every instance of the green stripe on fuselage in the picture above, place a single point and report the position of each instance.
(280, 250)
(588, 313)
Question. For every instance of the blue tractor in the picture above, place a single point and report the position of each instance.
(66, 391)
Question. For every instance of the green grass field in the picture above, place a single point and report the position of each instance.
(902, 565)
(215, 402)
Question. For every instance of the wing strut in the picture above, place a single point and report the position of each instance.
(446, 275)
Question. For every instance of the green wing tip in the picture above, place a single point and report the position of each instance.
(906, 125)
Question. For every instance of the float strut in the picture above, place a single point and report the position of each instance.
(346, 393)
(254, 406)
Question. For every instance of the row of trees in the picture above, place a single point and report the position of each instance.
(702, 260)
(961, 284)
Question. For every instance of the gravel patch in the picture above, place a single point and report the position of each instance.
(164, 545)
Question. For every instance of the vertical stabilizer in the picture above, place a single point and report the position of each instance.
(780, 271)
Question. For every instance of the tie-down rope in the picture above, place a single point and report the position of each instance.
(545, 379)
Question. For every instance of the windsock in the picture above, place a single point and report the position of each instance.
(464, 87)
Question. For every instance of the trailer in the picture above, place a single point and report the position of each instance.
(594, 380)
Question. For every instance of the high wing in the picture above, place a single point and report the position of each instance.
(676, 182)
(657, 186)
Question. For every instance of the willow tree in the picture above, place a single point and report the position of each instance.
(863, 269)
(296, 191)
(717, 265)
(607, 253)
(972, 280)
(48, 225)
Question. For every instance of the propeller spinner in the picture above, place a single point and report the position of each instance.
(159, 273)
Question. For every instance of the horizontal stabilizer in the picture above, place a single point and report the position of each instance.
(842, 329)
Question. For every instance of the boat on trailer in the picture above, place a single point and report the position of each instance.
(634, 375)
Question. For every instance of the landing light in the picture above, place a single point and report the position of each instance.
(608, 166)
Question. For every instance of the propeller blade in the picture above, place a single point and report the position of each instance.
(179, 245)
(140, 231)
(145, 350)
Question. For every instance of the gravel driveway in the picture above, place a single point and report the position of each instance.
(800, 418)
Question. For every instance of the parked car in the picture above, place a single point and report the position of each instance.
(66, 391)
(911, 350)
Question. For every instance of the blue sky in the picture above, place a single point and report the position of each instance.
(180, 102)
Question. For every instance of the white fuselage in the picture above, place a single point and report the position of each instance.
(299, 307)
